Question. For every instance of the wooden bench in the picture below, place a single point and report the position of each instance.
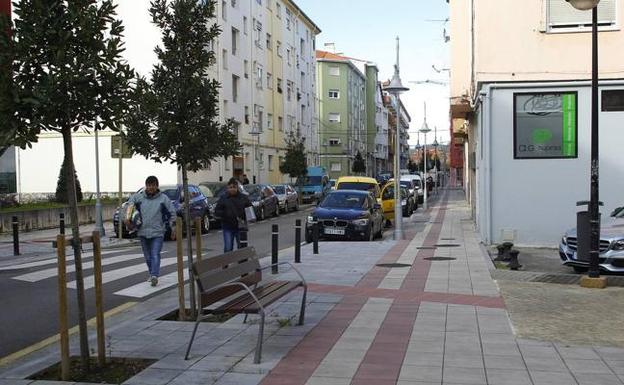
(238, 274)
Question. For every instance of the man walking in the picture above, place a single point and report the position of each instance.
(231, 210)
(157, 213)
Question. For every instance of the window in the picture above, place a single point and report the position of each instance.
(224, 10)
(233, 3)
(613, 100)
(334, 142)
(288, 18)
(336, 166)
(246, 114)
(280, 123)
(279, 85)
(278, 10)
(259, 2)
(235, 88)
(258, 118)
(269, 81)
(245, 25)
(225, 59)
(288, 51)
(545, 125)
(334, 71)
(270, 121)
(301, 46)
(246, 69)
(561, 16)
(288, 90)
(259, 75)
(269, 42)
(334, 117)
(334, 94)
(258, 33)
(279, 48)
(235, 34)
(270, 161)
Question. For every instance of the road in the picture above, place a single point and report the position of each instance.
(28, 304)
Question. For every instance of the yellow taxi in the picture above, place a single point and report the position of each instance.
(359, 183)
(387, 201)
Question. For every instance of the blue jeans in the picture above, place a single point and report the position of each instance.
(151, 251)
(228, 239)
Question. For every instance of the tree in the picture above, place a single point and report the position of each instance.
(175, 118)
(359, 165)
(412, 167)
(61, 195)
(66, 71)
(295, 163)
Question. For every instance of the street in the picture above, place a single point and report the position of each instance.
(30, 298)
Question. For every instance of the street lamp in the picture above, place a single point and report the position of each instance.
(395, 88)
(594, 214)
(425, 129)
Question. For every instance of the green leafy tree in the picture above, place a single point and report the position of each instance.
(175, 118)
(66, 73)
(295, 163)
(359, 165)
(61, 195)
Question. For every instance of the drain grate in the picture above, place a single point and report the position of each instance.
(447, 239)
(392, 265)
(448, 245)
(427, 248)
(440, 259)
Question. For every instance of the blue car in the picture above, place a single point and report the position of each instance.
(347, 215)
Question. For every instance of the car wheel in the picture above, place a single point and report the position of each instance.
(580, 269)
(370, 234)
(205, 225)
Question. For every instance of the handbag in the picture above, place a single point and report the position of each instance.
(250, 214)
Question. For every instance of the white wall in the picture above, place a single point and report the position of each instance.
(537, 197)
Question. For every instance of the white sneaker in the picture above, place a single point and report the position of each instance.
(154, 280)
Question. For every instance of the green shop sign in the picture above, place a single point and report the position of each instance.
(545, 125)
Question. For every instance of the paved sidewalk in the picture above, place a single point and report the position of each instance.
(438, 320)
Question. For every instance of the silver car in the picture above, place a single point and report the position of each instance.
(611, 257)
(287, 196)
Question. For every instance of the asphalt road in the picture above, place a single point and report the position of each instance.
(29, 309)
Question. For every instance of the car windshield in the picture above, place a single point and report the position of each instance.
(171, 192)
(344, 201)
(310, 180)
(417, 183)
(212, 190)
(356, 186)
(279, 189)
(406, 183)
(389, 193)
(253, 191)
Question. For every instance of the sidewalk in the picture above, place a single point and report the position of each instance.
(439, 321)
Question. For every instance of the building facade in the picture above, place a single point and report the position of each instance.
(520, 105)
(376, 124)
(342, 112)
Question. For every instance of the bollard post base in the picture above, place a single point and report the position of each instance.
(593, 283)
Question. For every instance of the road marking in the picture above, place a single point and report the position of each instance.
(52, 260)
(52, 272)
(55, 338)
(144, 289)
(115, 275)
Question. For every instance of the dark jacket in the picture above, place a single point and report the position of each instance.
(231, 208)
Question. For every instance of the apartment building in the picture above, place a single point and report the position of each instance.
(342, 101)
(520, 111)
(376, 124)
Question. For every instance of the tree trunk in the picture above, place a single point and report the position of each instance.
(189, 238)
(73, 214)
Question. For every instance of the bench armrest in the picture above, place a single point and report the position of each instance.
(244, 287)
(291, 266)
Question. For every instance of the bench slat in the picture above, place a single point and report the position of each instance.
(245, 300)
(212, 278)
(209, 298)
(224, 260)
(266, 295)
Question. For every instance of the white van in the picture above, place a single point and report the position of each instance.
(418, 185)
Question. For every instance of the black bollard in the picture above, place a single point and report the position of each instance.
(514, 264)
(15, 236)
(62, 223)
(315, 237)
(298, 241)
(243, 238)
(274, 247)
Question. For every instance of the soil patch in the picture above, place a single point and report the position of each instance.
(116, 371)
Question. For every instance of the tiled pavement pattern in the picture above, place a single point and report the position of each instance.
(434, 322)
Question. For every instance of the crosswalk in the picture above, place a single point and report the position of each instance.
(125, 264)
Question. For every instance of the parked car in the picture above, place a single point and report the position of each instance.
(198, 205)
(408, 202)
(287, 196)
(347, 214)
(263, 199)
(213, 191)
(412, 184)
(314, 185)
(611, 257)
(359, 183)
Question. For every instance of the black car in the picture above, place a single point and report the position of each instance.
(198, 205)
(347, 214)
(263, 199)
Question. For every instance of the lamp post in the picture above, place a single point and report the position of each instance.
(594, 214)
(395, 88)
(435, 161)
(425, 129)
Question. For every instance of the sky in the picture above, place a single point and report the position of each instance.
(367, 30)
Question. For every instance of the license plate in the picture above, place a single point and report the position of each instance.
(333, 231)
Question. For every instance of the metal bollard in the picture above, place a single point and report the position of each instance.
(243, 239)
(274, 247)
(298, 241)
(62, 223)
(15, 236)
(315, 236)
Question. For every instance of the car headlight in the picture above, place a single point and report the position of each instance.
(618, 245)
(311, 219)
(564, 240)
(360, 222)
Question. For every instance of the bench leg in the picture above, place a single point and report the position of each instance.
(303, 305)
(245, 319)
(188, 350)
(258, 354)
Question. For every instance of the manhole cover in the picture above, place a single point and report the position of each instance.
(426, 248)
(393, 265)
(440, 259)
(447, 239)
(435, 222)
(448, 245)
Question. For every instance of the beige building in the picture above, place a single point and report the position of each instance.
(505, 55)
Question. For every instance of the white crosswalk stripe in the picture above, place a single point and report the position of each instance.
(144, 289)
(53, 260)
